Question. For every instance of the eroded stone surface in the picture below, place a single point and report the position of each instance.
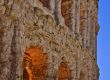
(24, 24)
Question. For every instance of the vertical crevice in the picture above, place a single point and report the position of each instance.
(13, 55)
(56, 12)
(1, 48)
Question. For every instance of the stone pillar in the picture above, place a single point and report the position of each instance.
(73, 16)
(73, 13)
(58, 16)
(93, 23)
(77, 16)
(52, 6)
(88, 25)
(83, 21)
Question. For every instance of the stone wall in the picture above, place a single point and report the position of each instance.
(29, 23)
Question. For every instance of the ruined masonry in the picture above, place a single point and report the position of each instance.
(48, 40)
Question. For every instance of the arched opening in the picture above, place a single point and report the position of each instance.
(34, 64)
(82, 76)
(46, 3)
(64, 72)
(66, 11)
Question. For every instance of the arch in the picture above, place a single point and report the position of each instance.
(64, 71)
(46, 3)
(34, 64)
(66, 11)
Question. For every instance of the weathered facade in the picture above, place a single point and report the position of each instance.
(48, 40)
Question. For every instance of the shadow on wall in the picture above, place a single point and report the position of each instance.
(66, 11)
(82, 76)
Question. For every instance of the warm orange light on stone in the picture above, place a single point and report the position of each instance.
(35, 64)
(64, 72)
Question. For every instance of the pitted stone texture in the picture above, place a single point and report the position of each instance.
(27, 23)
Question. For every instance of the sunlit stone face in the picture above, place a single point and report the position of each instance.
(34, 64)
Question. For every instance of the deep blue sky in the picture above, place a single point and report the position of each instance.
(104, 39)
